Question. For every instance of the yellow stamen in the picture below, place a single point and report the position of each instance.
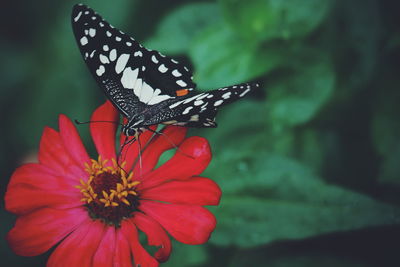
(110, 197)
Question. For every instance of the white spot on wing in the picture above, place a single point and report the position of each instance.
(244, 92)
(108, 33)
(84, 40)
(138, 54)
(104, 59)
(162, 68)
(92, 32)
(176, 73)
(200, 97)
(101, 24)
(78, 16)
(186, 111)
(194, 117)
(113, 55)
(105, 47)
(190, 99)
(157, 98)
(146, 93)
(117, 38)
(176, 104)
(100, 70)
(137, 88)
(92, 54)
(217, 103)
(181, 83)
(129, 78)
(128, 43)
(226, 95)
(154, 59)
(198, 102)
(121, 63)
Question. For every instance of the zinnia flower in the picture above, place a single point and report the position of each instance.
(93, 208)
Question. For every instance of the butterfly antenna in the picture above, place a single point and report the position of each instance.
(119, 156)
(170, 141)
(86, 122)
(140, 154)
(139, 158)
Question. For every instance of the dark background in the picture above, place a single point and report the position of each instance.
(309, 164)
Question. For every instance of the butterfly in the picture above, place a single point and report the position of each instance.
(147, 87)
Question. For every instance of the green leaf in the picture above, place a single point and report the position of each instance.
(239, 126)
(385, 128)
(272, 198)
(115, 14)
(295, 98)
(271, 19)
(359, 48)
(178, 29)
(221, 58)
(287, 257)
(186, 255)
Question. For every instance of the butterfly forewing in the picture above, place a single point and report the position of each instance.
(132, 76)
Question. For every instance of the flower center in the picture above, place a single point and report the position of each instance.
(109, 193)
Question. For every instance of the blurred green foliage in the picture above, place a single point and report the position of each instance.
(309, 164)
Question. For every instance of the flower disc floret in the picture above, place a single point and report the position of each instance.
(109, 193)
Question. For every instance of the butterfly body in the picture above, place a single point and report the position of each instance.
(147, 87)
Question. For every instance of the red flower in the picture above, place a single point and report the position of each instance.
(94, 209)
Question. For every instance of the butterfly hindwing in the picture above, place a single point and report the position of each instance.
(199, 110)
(132, 76)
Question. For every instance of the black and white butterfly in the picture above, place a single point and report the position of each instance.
(147, 87)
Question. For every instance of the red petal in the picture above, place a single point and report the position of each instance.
(39, 175)
(33, 186)
(35, 233)
(156, 235)
(79, 247)
(130, 151)
(106, 250)
(52, 152)
(171, 136)
(191, 159)
(72, 141)
(140, 255)
(187, 224)
(195, 191)
(122, 257)
(103, 133)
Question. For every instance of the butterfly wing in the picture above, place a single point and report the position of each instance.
(199, 110)
(132, 76)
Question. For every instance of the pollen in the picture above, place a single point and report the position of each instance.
(109, 191)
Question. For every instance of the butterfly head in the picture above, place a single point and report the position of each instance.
(130, 131)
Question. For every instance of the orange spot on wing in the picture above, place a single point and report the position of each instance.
(182, 92)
